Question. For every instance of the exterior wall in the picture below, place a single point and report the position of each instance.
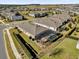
(52, 28)
(12, 16)
(16, 17)
(33, 15)
(27, 33)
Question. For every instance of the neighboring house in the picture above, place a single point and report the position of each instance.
(38, 15)
(35, 31)
(15, 17)
(12, 15)
(32, 14)
(53, 22)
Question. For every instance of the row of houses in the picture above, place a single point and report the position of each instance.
(40, 9)
(38, 15)
(12, 15)
(53, 22)
(37, 8)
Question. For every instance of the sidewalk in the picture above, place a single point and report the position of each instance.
(6, 45)
(2, 21)
(16, 53)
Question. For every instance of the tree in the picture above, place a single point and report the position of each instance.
(56, 51)
(75, 14)
(66, 28)
(77, 29)
(70, 25)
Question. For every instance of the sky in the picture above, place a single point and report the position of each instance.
(39, 1)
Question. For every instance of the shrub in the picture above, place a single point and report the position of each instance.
(56, 51)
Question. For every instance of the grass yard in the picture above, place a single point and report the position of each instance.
(53, 45)
(75, 34)
(23, 12)
(68, 50)
(32, 43)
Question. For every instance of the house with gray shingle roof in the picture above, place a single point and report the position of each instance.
(52, 22)
(44, 27)
(11, 15)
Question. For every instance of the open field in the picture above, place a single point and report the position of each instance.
(42, 6)
(68, 50)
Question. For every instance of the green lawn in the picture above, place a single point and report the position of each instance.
(26, 38)
(75, 34)
(32, 43)
(69, 51)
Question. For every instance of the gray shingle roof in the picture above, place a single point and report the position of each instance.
(31, 28)
(28, 27)
(53, 21)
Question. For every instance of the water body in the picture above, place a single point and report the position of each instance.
(30, 49)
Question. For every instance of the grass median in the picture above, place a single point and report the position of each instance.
(9, 49)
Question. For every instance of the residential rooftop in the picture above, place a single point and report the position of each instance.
(53, 21)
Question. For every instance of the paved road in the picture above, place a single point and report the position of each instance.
(2, 45)
(3, 54)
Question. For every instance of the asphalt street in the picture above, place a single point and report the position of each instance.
(2, 45)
